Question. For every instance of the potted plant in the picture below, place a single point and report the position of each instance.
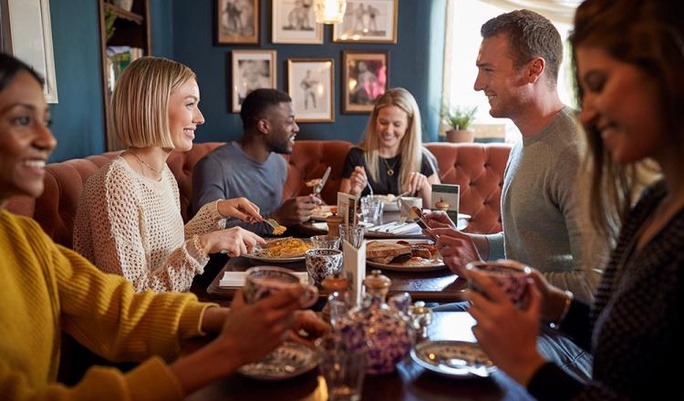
(458, 119)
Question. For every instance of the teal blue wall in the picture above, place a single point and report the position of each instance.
(78, 117)
(185, 30)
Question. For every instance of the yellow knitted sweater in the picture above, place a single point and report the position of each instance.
(47, 289)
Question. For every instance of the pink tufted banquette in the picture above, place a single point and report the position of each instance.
(477, 168)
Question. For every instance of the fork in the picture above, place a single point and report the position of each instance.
(277, 228)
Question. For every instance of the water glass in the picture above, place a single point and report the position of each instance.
(354, 235)
(325, 242)
(343, 367)
(371, 210)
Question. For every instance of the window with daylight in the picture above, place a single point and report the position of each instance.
(464, 19)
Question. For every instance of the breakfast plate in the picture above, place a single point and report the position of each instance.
(322, 212)
(459, 359)
(288, 360)
(414, 264)
(283, 250)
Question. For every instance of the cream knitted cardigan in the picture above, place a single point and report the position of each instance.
(130, 225)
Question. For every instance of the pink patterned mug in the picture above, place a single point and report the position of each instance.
(510, 275)
(263, 281)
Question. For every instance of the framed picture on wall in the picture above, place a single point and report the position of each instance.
(368, 21)
(310, 85)
(293, 22)
(238, 21)
(251, 69)
(364, 79)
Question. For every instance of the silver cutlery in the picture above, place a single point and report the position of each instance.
(319, 186)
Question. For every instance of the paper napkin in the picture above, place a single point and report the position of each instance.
(237, 279)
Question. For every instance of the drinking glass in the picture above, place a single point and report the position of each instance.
(354, 235)
(342, 366)
(371, 210)
(325, 242)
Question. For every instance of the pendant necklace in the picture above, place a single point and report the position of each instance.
(390, 169)
(146, 163)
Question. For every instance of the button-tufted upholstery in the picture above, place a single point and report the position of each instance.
(478, 168)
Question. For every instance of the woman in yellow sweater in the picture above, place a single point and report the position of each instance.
(47, 289)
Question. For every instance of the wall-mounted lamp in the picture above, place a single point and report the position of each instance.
(329, 11)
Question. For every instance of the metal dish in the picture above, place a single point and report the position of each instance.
(287, 361)
(458, 359)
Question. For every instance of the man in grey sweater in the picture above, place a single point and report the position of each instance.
(541, 206)
(253, 167)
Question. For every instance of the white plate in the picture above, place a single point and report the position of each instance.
(322, 212)
(427, 266)
(459, 359)
(288, 360)
(256, 256)
(274, 260)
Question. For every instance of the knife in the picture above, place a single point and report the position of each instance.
(319, 187)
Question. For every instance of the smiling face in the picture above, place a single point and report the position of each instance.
(621, 103)
(25, 139)
(505, 86)
(184, 114)
(282, 128)
(390, 126)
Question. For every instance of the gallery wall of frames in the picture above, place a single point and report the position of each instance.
(363, 74)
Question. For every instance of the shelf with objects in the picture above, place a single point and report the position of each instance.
(125, 35)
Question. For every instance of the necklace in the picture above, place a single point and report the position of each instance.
(146, 163)
(390, 169)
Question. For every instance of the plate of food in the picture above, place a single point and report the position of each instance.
(404, 255)
(458, 359)
(322, 212)
(280, 250)
(288, 360)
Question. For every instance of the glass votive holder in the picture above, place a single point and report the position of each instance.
(325, 242)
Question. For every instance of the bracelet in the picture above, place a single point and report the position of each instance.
(569, 296)
(201, 252)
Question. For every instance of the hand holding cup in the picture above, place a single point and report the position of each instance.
(263, 281)
(509, 275)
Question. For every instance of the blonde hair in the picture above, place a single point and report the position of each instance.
(410, 148)
(140, 101)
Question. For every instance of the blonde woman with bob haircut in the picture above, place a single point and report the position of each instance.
(129, 220)
(391, 158)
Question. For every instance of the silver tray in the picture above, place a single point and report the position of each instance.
(458, 359)
(288, 360)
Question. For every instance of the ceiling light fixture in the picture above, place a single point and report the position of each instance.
(329, 11)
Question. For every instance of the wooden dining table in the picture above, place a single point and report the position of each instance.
(410, 381)
(439, 286)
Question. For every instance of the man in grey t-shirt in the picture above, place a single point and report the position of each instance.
(541, 212)
(253, 167)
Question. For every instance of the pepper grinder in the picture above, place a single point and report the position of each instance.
(334, 222)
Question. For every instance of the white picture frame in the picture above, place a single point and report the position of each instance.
(293, 21)
(310, 85)
(251, 69)
(28, 37)
(368, 21)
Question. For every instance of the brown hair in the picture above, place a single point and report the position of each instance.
(649, 35)
(530, 35)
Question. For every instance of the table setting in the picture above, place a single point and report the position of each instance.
(298, 375)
